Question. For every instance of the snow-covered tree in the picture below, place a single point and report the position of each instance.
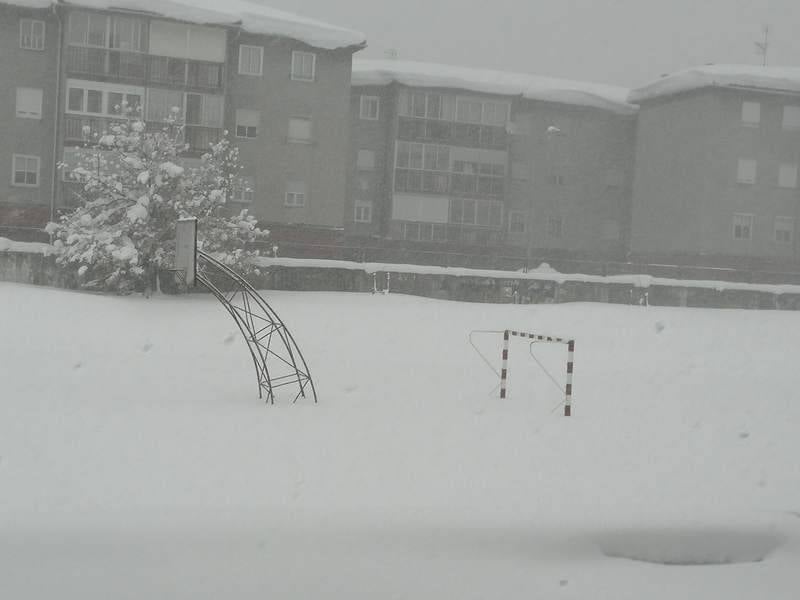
(133, 189)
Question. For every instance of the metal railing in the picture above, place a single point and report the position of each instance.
(117, 64)
(135, 67)
(450, 132)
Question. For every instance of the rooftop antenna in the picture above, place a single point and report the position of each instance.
(762, 48)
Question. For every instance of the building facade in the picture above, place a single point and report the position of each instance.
(446, 157)
(716, 177)
(279, 91)
(29, 42)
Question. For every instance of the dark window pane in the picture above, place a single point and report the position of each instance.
(75, 101)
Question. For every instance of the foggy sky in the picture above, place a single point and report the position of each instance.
(623, 42)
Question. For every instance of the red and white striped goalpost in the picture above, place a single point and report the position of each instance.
(540, 338)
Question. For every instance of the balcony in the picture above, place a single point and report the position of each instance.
(81, 128)
(163, 70)
(451, 184)
(116, 65)
(141, 69)
(200, 138)
(456, 134)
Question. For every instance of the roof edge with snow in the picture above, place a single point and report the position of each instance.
(247, 15)
(418, 74)
(784, 80)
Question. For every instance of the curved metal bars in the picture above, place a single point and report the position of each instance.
(276, 365)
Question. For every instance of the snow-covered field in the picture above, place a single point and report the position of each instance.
(137, 462)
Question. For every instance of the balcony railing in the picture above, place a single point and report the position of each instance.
(81, 128)
(185, 73)
(114, 64)
(446, 183)
(134, 67)
(200, 138)
(457, 134)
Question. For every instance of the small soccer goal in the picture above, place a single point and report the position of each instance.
(508, 334)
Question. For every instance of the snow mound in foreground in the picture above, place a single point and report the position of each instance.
(690, 547)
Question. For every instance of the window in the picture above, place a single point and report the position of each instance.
(96, 98)
(243, 189)
(295, 194)
(303, 66)
(751, 113)
(425, 105)
(787, 176)
(163, 105)
(469, 111)
(251, 60)
(516, 221)
(204, 110)
(784, 230)
(495, 113)
(556, 180)
(29, 103)
(26, 170)
(555, 227)
(791, 118)
(746, 171)
(489, 112)
(126, 34)
(106, 31)
(31, 34)
(299, 129)
(742, 226)
(180, 40)
(366, 160)
(363, 212)
(94, 101)
(247, 123)
(370, 107)
(471, 211)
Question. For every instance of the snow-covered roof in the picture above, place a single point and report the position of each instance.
(251, 16)
(419, 74)
(786, 79)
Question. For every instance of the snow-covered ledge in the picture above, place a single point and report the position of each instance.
(7, 245)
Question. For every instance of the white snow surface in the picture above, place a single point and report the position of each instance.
(136, 460)
(533, 87)
(253, 17)
(785, 79)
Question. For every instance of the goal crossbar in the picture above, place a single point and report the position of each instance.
(570, 343)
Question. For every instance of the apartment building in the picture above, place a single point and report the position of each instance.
(29, 43)
(277, 84)
(444, 155)
(717, 155)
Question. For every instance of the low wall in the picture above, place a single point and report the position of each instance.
(464, 284)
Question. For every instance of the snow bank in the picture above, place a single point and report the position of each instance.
(419, 74)
(727, 76)
(252, 17)
(542, 273)
(7, 245)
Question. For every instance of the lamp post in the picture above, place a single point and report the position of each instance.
(551, 132)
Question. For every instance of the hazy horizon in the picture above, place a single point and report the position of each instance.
(621, 42)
